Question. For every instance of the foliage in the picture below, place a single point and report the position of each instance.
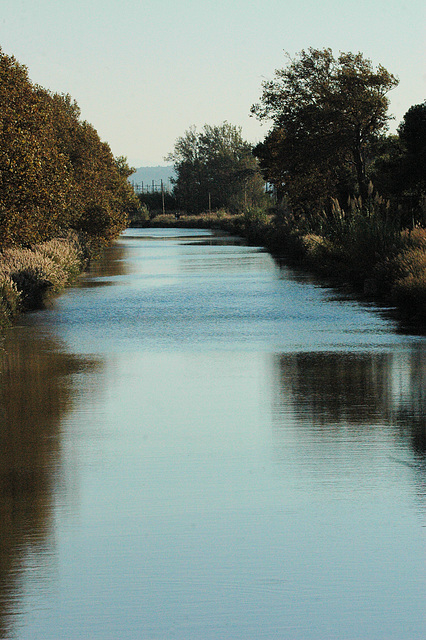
(55, 173)
(28, 274)
(399, 168)
(325, 112)
(412, 133)
(409, 268)
(101, 197)
(141, 216)
(34, 182)
(365, 240)
(154, 201)
(9, 300)
(215, 168)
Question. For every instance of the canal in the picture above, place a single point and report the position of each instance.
(197, 443)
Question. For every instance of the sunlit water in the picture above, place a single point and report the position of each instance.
(197, 444)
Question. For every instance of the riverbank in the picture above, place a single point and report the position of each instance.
(397, 278)
(28, 276)
(387, 267)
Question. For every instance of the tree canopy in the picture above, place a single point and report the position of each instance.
(55, 173)
(215, 168)
(412, 133)
(325, 113)
(399, 166)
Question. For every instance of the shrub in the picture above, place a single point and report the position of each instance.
(414, 237)
(66, 253)
(409, 294)
(32, 273)
(140, 215)
(27, 275)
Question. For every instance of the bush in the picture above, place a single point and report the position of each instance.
(27, 275)
(409, 294)
(414, 238)
(66, 253)
(55, 172)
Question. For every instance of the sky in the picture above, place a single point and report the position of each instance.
(143, 72)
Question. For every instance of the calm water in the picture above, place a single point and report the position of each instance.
(196, 444)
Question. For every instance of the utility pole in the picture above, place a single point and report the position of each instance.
(162, 197)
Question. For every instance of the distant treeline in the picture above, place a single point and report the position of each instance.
(55, 172)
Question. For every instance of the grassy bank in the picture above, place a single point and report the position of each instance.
(368, 253)
(28, 276)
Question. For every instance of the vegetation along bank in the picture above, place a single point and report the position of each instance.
(328, 187)
(63, 195)
(342, 196)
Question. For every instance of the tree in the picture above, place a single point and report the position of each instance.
(412, 133)
(325, 114)
(33, 172)
(400, 165)
(386, 167)
(55, 172)
(101, 196)
(215, 168)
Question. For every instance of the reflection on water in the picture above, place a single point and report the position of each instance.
(348, 390)
(110, 264)
(249, 454)
(366, 398)
(36, 391)
(411, 405)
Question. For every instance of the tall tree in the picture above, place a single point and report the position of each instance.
(325, 112)
(33, 172)
(215, 168)
(412, 133)
(55, 172)
(400, 166)
(101, 195)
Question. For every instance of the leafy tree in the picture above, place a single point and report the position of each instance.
(412, 133)
(326, 112)
(33, 173)
(399, 168)
(386, 166)
(55, 173)
(215, 168)
(101, 196)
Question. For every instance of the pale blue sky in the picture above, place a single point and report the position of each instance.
(142, 71)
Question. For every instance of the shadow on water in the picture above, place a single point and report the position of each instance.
(36, 392)
(411, 408)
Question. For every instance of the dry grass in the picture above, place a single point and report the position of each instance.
(27, 275)
(409, 289)
(415, 238)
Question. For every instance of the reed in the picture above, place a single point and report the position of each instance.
(409, 274)
(29, 275)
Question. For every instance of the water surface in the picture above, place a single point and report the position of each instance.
(198, 444)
